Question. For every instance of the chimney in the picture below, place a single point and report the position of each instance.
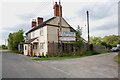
(34, 23)
(56, 10)
(40, 20)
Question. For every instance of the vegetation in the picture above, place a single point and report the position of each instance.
(14, 39)
(79, 38)
(62, 56)
(55, 58)
(3, 47)
(117, 58)
(107, 41)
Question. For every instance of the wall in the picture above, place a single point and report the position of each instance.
(53, 33)
(28, 36)
(35, 33)
(56, 21)
(98, 48)
(43, 39)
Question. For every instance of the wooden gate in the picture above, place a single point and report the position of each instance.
(51, 48)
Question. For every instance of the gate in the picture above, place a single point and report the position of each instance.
(50, 48)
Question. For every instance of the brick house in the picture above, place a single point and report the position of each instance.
(43, 38)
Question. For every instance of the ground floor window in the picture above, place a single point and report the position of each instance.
(41, 45)
(34, 46)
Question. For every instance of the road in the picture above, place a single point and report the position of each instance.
(97, 66)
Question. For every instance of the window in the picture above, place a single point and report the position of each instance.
(41, 45)
(41, 32)
(35, 46)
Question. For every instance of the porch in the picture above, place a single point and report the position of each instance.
(31, 47)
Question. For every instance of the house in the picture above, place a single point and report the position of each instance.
(43, 37)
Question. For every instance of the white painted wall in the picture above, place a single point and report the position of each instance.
(43, 39)
(28, 36)
(35, 33)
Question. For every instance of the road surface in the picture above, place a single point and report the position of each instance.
(97, 66)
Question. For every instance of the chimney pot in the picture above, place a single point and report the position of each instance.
(34, 23)
(56, 10)
(39, 20)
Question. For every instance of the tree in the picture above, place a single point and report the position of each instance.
(111, 40)
(79, 38)
(10, 41)
(14, 39)
(107, 41)
(96, 40)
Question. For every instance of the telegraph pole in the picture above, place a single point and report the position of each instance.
(60, 15)
(88, 28)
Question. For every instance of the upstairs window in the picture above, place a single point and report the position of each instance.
(41, 32)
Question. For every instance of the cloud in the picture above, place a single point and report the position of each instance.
(97, 10)
(26, 17)
(6, 31)
(106, 27)
(16, 27)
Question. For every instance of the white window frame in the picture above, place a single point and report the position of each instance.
(41, 32)
(41, 45)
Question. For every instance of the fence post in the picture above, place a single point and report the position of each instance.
(53, 49)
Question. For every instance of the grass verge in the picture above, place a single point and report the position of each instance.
(117, 59)
(55, 58)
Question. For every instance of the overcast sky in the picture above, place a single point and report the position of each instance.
(15, 15)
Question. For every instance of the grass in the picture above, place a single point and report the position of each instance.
(117, 58)
(55, 58)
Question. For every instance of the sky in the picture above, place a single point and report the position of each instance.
(18, 14)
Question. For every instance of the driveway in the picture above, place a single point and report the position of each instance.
(97, 66)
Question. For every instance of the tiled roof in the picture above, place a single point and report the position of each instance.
(30, 40)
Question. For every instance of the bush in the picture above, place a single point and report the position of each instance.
(91, 52)
(4, 47)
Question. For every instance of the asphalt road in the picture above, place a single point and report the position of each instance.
(98, 66)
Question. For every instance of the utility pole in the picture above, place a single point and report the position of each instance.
(88, 28)
(60, 15)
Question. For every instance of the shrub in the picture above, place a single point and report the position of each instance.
(91, 52)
